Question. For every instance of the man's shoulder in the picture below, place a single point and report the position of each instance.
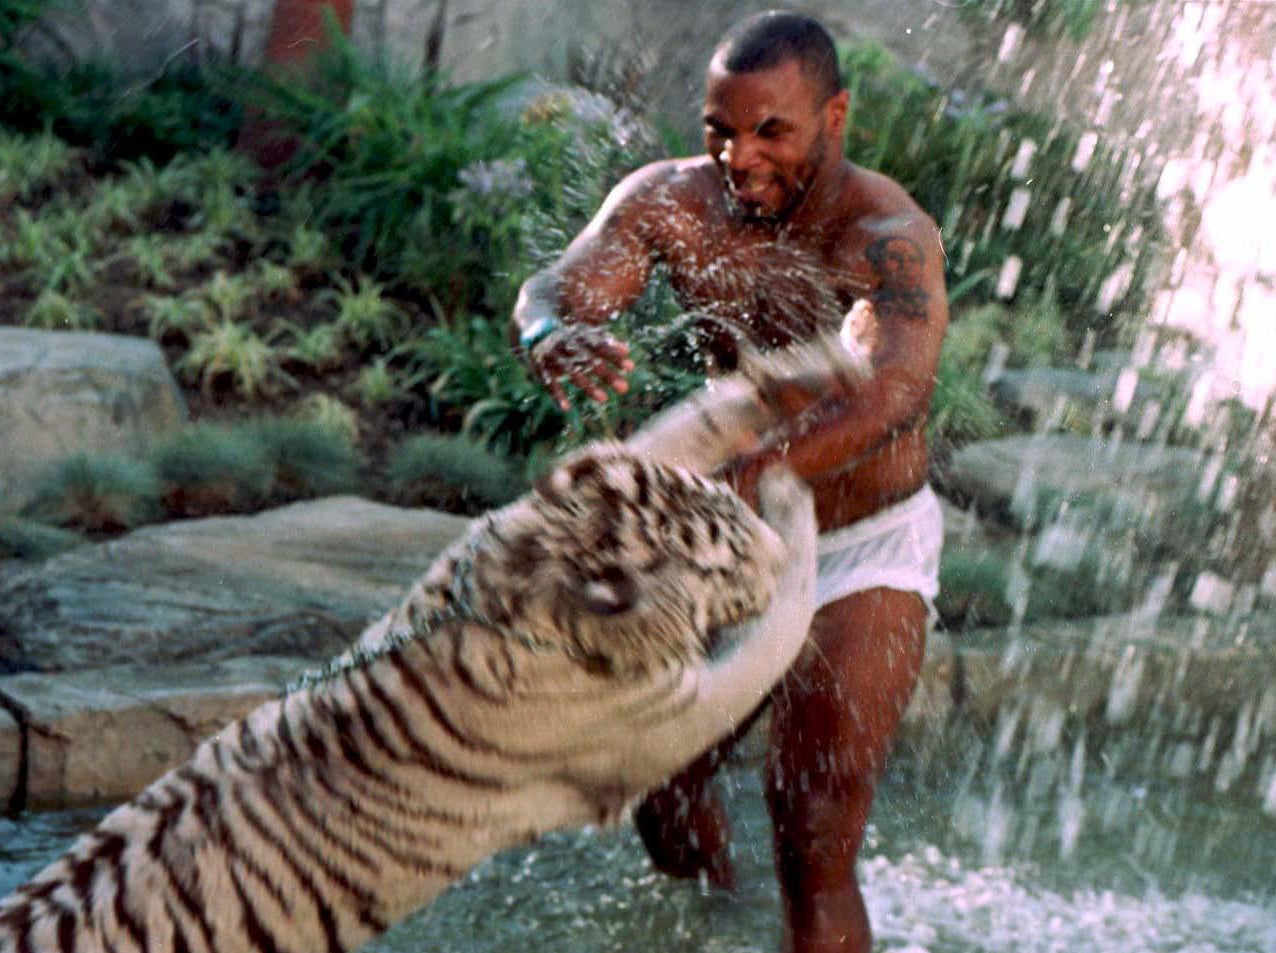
(671, 178)
(881, 206)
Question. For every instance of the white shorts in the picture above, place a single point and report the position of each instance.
(897, 548)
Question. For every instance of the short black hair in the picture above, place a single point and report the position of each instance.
(766, 40)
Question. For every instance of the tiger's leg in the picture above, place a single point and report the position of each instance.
(833, 722)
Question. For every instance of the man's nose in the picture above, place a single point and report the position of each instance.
(739, 155)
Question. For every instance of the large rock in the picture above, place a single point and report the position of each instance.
(65, 392)
(1010, 474)
(10, 761)
(300, 580)
(104, 735)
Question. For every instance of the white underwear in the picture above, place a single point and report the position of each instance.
(897, 548)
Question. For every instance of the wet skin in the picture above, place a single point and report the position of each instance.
(770, 235)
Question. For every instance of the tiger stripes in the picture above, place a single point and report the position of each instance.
(565, 657)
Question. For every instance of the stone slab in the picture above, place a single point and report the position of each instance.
(303, 579)
(10, 758)
(102, 736)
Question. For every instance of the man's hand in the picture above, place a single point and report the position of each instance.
(584, 354)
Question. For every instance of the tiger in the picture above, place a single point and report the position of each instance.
(571, 652)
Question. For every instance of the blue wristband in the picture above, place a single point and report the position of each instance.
(538, 331)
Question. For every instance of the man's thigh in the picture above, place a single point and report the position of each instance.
(844, 697)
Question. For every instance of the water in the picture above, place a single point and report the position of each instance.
(927, 881)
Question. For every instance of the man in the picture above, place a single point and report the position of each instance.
(770, 236)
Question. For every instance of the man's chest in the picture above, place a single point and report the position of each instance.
(776, 285)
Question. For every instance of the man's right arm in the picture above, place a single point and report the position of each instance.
(561, 313)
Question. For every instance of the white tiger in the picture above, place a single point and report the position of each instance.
(552, 667)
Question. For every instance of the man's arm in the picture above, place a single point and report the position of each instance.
(561, 312)
(905, 330)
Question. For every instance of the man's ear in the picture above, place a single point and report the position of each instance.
(836, 111)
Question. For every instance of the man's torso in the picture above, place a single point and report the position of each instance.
(770, 286)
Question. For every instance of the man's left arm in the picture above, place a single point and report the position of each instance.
(904, 332)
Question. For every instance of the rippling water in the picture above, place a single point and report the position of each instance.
(928, 889)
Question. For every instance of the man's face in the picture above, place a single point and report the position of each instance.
(770, 135)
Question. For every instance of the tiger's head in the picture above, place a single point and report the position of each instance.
(627, 563)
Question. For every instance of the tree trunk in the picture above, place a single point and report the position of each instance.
(296, 31)
(297, 28)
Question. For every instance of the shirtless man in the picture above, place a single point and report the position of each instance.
(769, 236)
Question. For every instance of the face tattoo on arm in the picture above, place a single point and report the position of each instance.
(898, 262)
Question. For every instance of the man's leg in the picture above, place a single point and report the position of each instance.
(683, 824)
(833, 722)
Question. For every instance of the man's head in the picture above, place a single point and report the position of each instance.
(774, 111)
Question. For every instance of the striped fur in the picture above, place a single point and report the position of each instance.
(550, 668)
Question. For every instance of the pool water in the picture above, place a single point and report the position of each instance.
(930, 883)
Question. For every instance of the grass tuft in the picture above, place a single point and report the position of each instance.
(96, 494)
(456, 473)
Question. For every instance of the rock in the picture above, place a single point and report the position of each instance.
(300, 580)
(66, 392)
(104, 735)
(1008, 475)
(1051, 397)
(10, 761)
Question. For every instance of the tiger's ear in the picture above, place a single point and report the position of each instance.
(610, 591)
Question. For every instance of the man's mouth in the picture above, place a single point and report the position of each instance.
(754, 192)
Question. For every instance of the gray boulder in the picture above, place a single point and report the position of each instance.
(67, 392)
(103, 735)
(300, 580)
(1010, 475)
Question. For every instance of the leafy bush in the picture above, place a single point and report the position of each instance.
(454, 472)
(96, 494)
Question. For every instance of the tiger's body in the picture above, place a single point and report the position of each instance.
(552, 666)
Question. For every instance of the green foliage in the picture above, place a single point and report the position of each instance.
(54, 311)
(961, 410)
(96, 494)
(392, 149)
(231, 355)
(308, 458)
(208, 469)
(319, 347)
(188, 106)
(330, 412)
(455, 472)
(954, 150)
(28, 539)
(365, 317)
(31, 164)
(378, 383)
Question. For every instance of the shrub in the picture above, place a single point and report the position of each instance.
(231, 355)
(54, 311)
(308, 458)
(96, 494)
(208, 469)
(456, 473)
(961, 410)
(331, 413)
(364, 316)
(30, 164)
(27, 539)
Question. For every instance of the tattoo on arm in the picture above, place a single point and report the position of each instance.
(898, 262)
